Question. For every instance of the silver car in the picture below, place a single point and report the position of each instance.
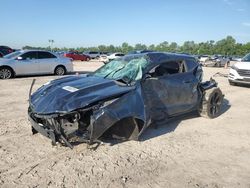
(33, 62)
(217, 61)
(93, 54)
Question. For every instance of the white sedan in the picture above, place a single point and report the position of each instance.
(240, 72)
(33, 62)
(115, 56)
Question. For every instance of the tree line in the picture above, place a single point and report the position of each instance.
(227, 46)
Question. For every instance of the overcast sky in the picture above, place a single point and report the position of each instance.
(75, 23)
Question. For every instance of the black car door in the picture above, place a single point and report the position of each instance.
(170, 90)
(182, 92)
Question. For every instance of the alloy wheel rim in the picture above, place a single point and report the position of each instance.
(60, 71)
(5, 73)
(215, 104)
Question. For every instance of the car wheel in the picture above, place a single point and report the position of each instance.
(217, 64)
(231, 83)
(87, 59)
(60, 70)
(211, 103)
(6, 73)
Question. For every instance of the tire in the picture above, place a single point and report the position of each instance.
(211, 103)
(231, 83)
(87, 59)
(218, 65)
(6, 73)
(60, 70)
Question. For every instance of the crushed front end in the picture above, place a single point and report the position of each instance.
(120, 115)
(65, 128)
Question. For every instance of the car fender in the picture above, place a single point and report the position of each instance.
(9, 66)
(128, 105)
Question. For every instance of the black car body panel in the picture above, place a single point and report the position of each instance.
(89, 107)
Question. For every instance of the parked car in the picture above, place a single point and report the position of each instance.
(4, 50)
(93, 54)
(103, 58)
(236, 58)
(240, 72)
(105, 53)
(217, 61)
(115, 55)
(203, 58)
(77, 56)
(33, 62)
(122, 98)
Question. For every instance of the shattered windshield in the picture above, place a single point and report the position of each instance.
(128, 69)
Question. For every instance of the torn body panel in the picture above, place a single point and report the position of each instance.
(130, 105)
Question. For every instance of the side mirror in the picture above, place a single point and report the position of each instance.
(19, 58)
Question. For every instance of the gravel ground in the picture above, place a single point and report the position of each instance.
(190, 151)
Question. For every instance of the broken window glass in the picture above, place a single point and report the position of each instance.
(129, 69)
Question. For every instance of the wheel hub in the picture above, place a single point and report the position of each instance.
(60, 71)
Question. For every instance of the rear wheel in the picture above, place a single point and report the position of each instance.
(6, 73)
(60, 70)
(211, 103)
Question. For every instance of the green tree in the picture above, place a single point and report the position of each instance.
(173, 47)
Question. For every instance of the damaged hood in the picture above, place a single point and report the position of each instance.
(74, 92)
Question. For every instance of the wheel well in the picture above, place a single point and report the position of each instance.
(5, 66)
(60, 66)
(127, 128)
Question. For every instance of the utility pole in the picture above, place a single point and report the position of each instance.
(51, 41)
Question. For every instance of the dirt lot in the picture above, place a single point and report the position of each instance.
(188, 152)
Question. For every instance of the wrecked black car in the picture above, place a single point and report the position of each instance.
(122, 98)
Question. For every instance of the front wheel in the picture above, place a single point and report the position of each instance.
(60, 70)
(211, 103)
(217, 64)
(6, 73)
